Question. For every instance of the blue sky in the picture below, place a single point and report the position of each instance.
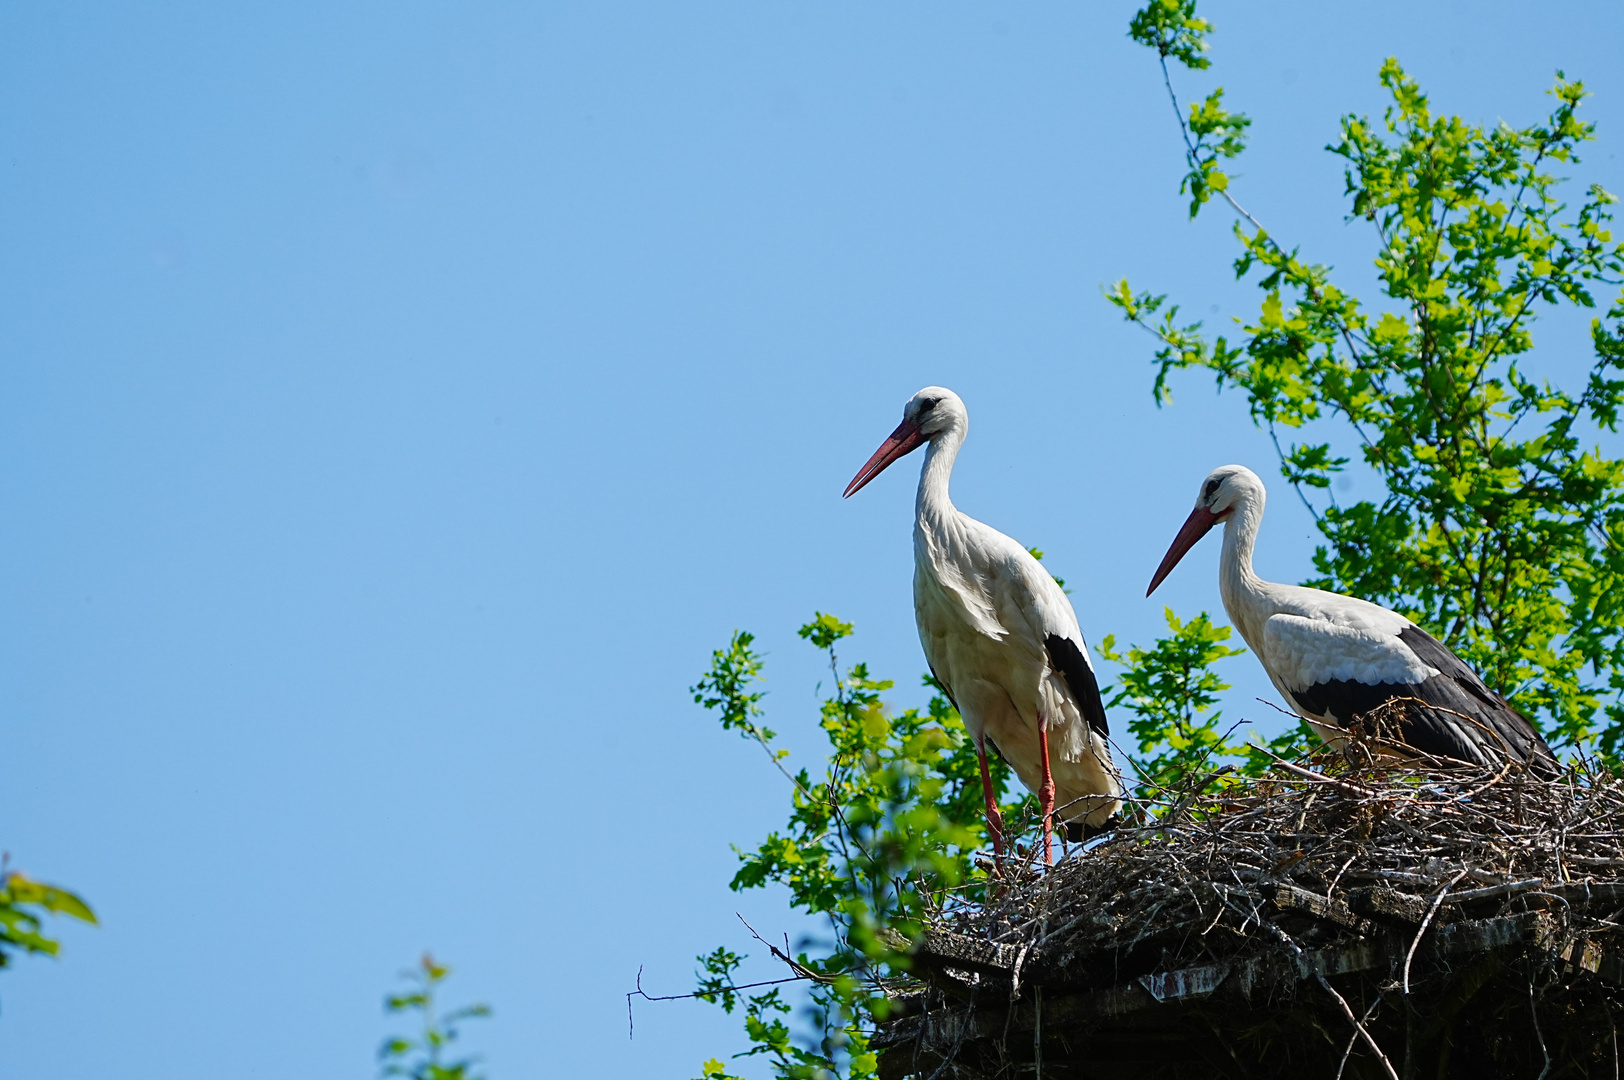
(399, 401)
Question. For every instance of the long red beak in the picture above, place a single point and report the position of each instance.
(903, 441)
(1197, 525)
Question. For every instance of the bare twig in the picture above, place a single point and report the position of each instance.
(801, 972)
(964, 1027)
(1358, 1024)
(1320, 778)
(695, 994)
(1437, 902)
(1353, 1039)
(1533, 1011)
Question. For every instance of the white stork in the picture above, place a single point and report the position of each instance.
(1335, 658)
(1001, 637)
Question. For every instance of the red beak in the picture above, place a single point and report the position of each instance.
(1200, 521)
(903, 441)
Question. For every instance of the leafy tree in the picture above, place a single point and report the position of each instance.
(1497, 527)
(24, 903)
(424, 1057)
(884, 836)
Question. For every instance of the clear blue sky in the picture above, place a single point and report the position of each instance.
(399, 401)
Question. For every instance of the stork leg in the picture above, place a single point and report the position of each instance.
(1046, 791)
(995, 820)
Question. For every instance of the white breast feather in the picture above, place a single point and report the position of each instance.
(950, 566)
(944, 602)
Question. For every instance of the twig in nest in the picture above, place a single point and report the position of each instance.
(1533, 1011)
(958, 1041)
(1193, 794)
(1353, 1040)
(1309, 774)
(1437, 902)
(1358, 1024)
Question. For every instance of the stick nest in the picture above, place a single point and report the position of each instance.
(1487, 842)
(1309, 918)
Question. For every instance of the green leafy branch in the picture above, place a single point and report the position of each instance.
(24, 904)
(1211, 132)
(886, 835)
(423, 1057)
(1170, 690)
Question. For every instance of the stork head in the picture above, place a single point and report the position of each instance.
(1225, 490)
(933, 411)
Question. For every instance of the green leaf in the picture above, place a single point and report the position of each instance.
(824, 630)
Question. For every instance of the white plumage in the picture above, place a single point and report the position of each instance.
(1334, 658)
(999, 633)
(1309, 643)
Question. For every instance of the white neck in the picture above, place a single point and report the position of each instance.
(932, 503)
(1240, 587)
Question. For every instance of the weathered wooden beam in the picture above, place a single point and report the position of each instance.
(1380, 902)
(1292, 898)
(934, 1035)
(1188, 982)
(940, 948)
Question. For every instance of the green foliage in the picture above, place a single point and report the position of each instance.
(24, 903)
(1211, 133)
(886, 834)
(423, 1057)
(1172, 28)
(716, 1069)
(824, 630)
(1171, 689)
(723, 687)
(1497, 523)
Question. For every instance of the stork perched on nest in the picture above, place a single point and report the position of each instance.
(1001, 637)
(1335, 658)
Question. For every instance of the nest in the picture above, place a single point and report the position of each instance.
(1359, 918)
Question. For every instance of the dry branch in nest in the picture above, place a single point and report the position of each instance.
(1338, 917)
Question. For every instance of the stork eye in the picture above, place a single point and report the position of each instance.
(928, 404)
(1208, 489)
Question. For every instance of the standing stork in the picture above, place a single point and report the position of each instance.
(1001, 637)
(1335, 658)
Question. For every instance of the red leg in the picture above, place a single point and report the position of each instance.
(1046, 791)
(995, 820)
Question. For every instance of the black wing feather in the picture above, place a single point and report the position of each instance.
(1456, 689)
(1068, 659)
